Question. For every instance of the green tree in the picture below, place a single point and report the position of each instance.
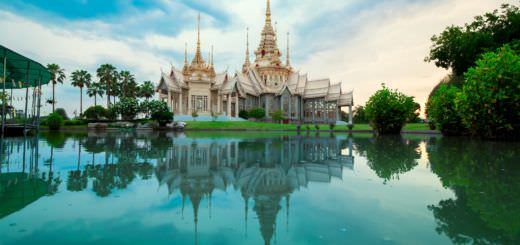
(129, 88)
(146, 90)
(95, 90)
(257, 113)
(107, 75)
(443, 113)
(54, 121)
(277, 116)
(57, 76)
(359, 115)
(388, 110)
(80, 79)
(490, 98)
(127, 108)
(459, 47)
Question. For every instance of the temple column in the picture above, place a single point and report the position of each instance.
(189, 111)
(180, 104)
(210, 102)
(219, 107)
(228, 111)
(266, 107)
(170, 101)
(236, 105)
(350, 115)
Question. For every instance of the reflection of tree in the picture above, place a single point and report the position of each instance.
(486, 178)
(115, 176)
(389, 156)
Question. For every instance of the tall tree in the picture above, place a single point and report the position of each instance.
(57, 76)
(80, 79)
(146, 90)
(128, 85)
(107, 74)
(95, 90)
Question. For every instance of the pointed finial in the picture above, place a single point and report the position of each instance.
(247, 62)
(268, 12)
(288, 55)
(212, 50)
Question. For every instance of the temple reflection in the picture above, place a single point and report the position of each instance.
(266, 171)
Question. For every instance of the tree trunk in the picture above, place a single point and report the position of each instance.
(108, 93)
(79, 155)
(95, 100)
(53, 100)
(80, 102)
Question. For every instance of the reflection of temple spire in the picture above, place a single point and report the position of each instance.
(287, 199)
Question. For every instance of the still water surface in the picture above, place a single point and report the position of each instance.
(212, 188)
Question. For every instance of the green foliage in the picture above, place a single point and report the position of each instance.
(490, 98)
(112, 113)
(95, 113)
(257, 113)
(388, 110)
(128, 85)
(414, 117)
(243, 114)
(127, 108)
(277, 116)
(195, 114)
(75, 122)
(62, 113)
(162, 117)
(459, 48)
(54, 121)
(146, 90)
(442, 111)
(360, 115)
(149, 107)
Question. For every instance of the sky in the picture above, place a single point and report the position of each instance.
(360, 43)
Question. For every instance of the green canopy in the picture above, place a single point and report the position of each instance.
(20, 71)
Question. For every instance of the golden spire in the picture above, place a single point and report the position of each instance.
(247, 63)
(268, 12)
(267, 52)
(288, 56)
(185, 54)
(198, 60)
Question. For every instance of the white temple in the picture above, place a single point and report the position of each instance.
(266, 83)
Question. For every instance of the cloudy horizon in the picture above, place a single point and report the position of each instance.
(357, 42)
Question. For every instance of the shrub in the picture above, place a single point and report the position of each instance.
(388, 110)
(162, 117)
(54, 121)
(62, 113)
(95, 113)
(257, 113)
(332, 126)
(317, 126)
(127, 108)
(112, 113)
(490, 97)
(277, 116)
(75, 122)
(443, 113)
(194, 114)
(243, 114)
(152, 106)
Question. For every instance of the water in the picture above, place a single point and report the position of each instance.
(238, 188)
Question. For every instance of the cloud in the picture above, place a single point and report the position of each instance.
(360, 42)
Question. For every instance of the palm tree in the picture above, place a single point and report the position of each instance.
(95, 90)
(146, 90)
(128, 84)
(107, 73)
(81, 78)
(57, 76)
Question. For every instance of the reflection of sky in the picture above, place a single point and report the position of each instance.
(357, 209)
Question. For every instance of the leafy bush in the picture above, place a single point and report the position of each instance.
(277, 116)
(62, 113)
(95, 113)
(359, 115)
(54, 121)
(162, 117)
(257, 113)
(112, 113)
(442, 111)
(388, 110)
(490, 98)
(243, 114)
(195, 114)
(127, 108)
(152, 106)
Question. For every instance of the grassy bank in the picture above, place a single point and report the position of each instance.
(260, 126)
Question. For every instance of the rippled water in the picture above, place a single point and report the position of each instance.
(238, 188)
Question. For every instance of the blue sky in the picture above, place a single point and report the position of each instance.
(361, 43)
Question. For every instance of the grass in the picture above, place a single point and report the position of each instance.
(260, 126)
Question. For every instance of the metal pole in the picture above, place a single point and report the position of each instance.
(3, 93)
(39, 103)
(26, 98)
